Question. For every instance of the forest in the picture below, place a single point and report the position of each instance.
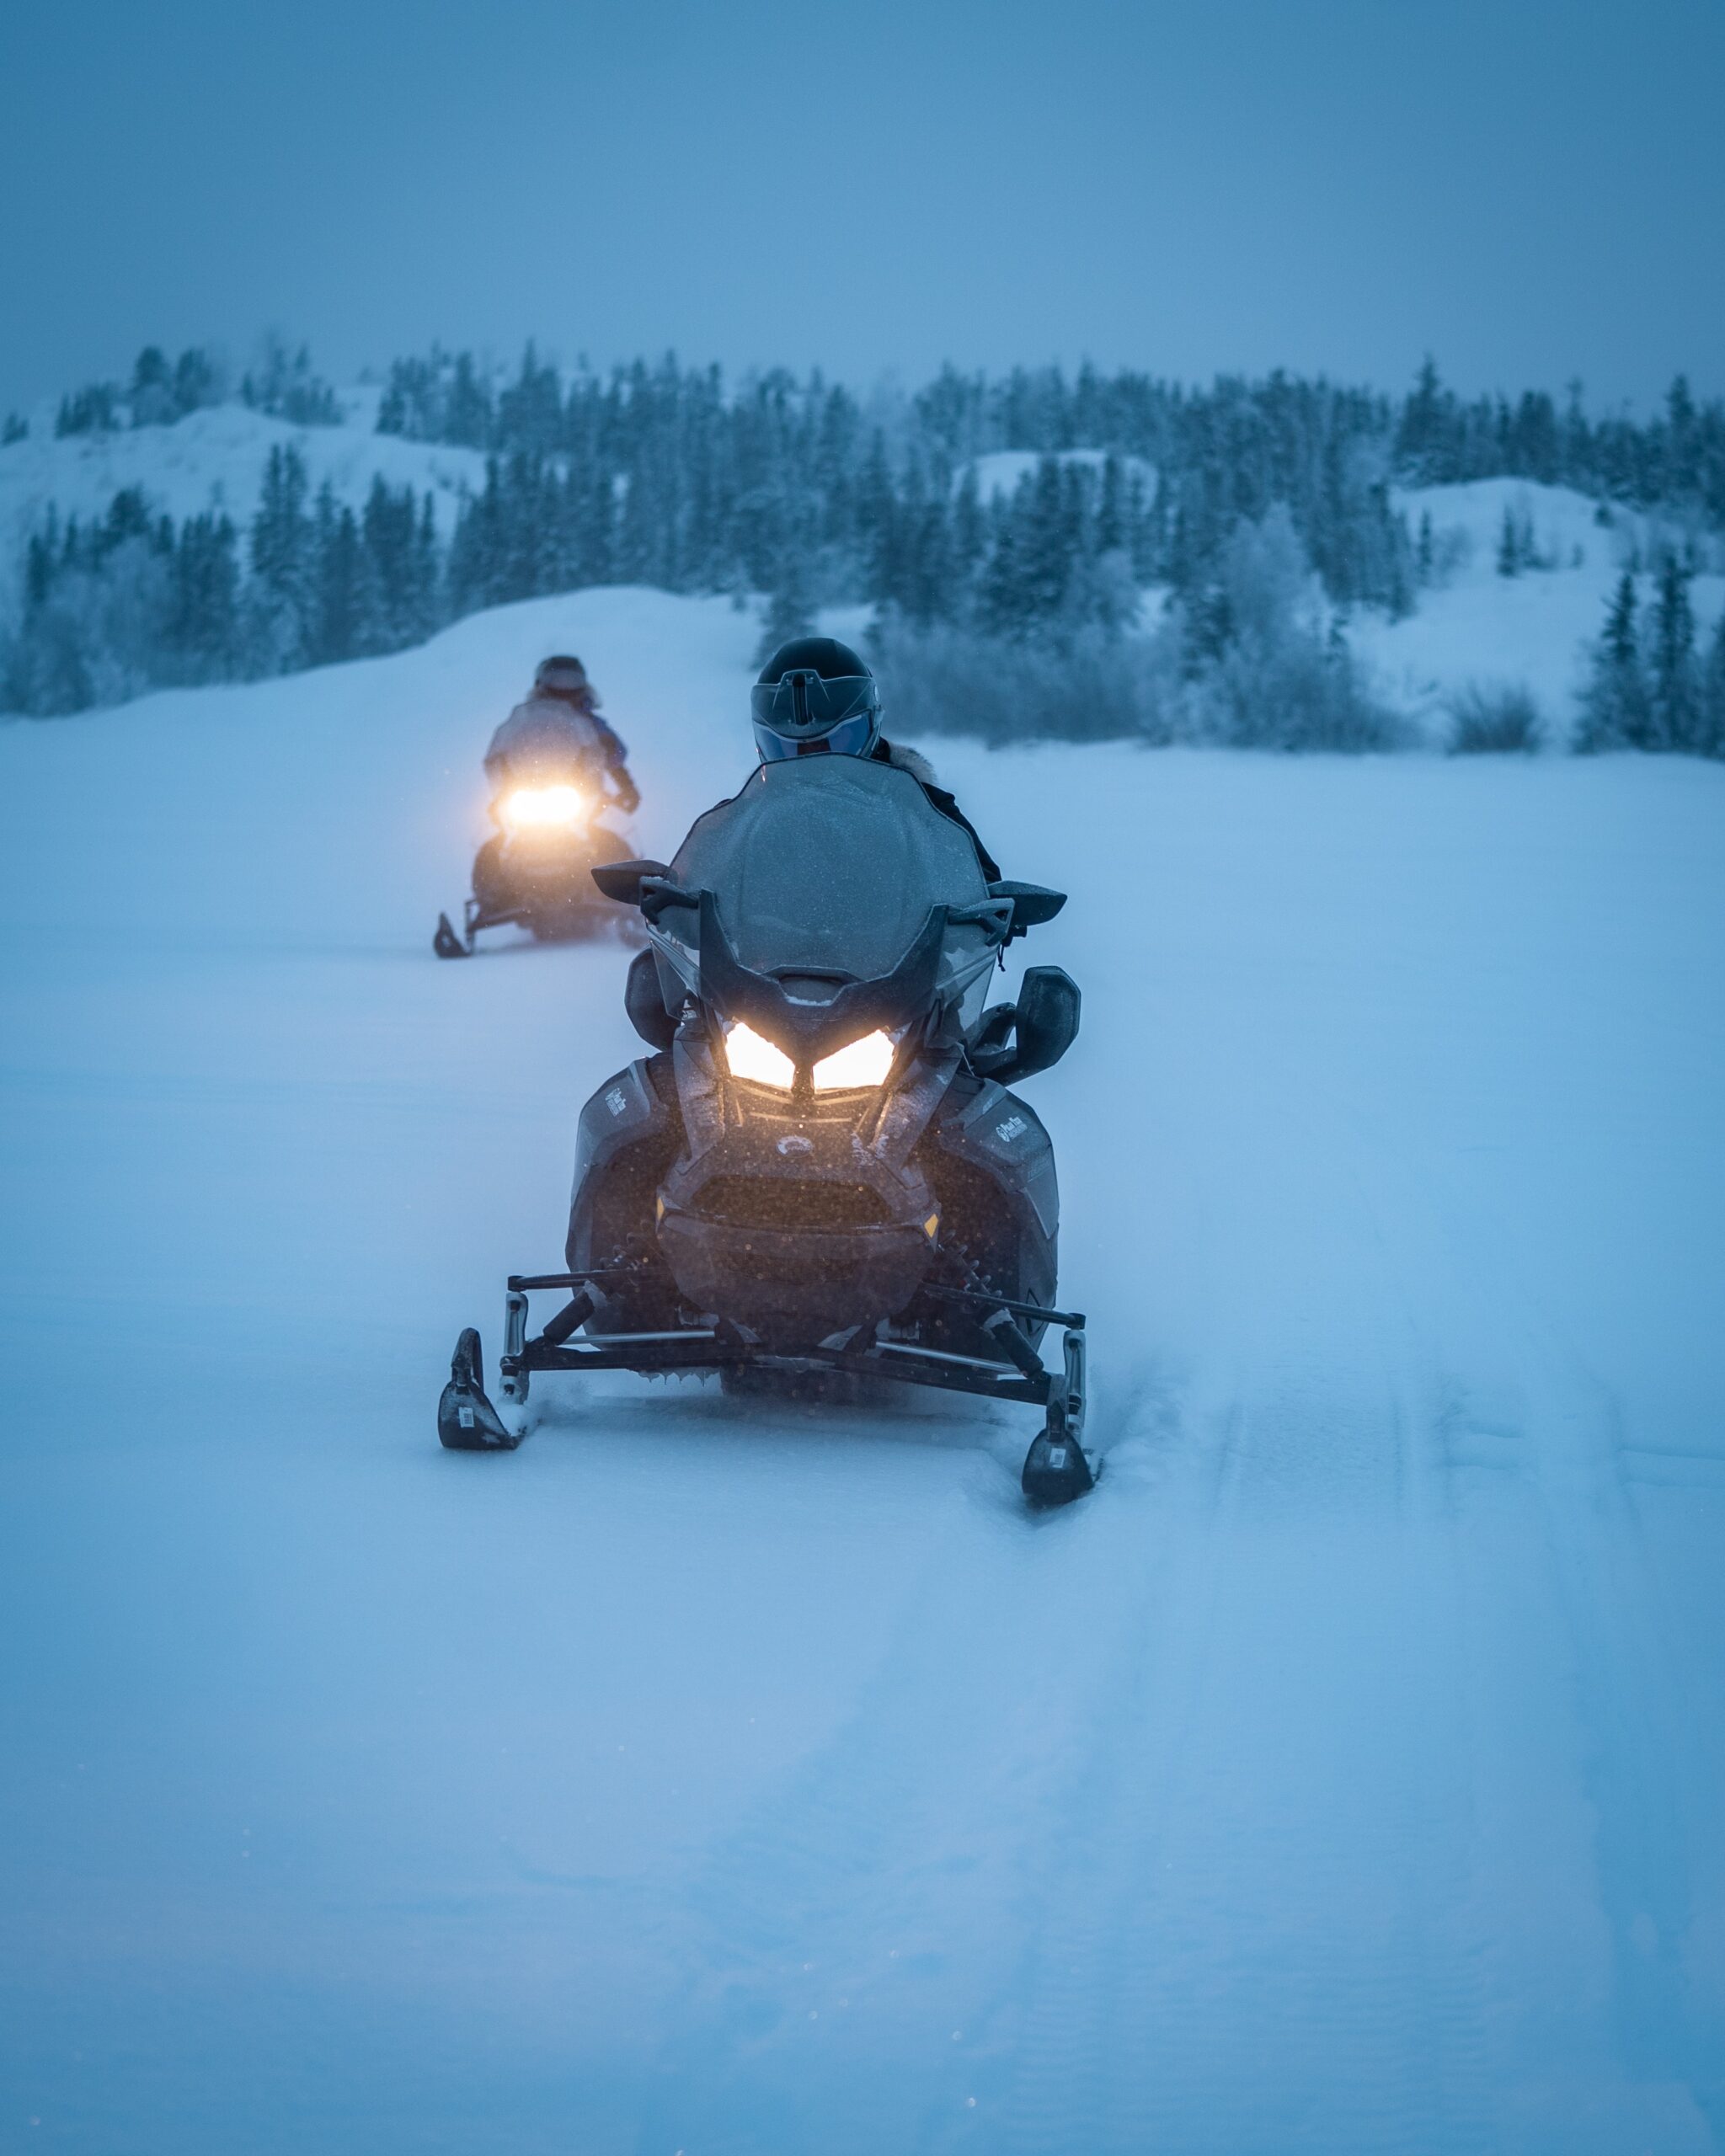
(1236, 501)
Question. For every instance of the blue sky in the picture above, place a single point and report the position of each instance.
(1532, 191)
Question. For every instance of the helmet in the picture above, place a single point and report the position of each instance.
(563, 675)
(815, 697)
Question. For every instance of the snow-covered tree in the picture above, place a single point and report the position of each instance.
(1675, 684)
(281, 596)
(1616, 706)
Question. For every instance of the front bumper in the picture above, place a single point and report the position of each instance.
(789, 1225)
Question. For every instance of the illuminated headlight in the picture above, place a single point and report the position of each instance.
(543, 808)
(859, 1063)
(749, 1056)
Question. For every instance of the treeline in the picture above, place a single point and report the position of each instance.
(791, 477)
(1674, 462)
(796, 488)
(135, 601)
(282, 382)
(793, 486)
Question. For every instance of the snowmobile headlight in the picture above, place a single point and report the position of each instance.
(859, 1063)
(749, 1056)
(543, 808)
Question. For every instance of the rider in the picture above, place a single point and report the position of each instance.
(815, 697)
(558, 723)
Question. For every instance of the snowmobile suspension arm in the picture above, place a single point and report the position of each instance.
(1020, 1375)
(648, 1352)
(1073, 1320)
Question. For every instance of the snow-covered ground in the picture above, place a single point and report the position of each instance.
(1345, 1776)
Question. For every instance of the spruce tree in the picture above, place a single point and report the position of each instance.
(1419, 444)
(202, 630)
(969, 541)
(467, 418)
(283, 565)
(1710, 737)
(1675, 688)
(1006, 593)
(1509, 546)
(152, 397)
(1615, 705)
(790, 611)
(1053, 523)
(196, 382)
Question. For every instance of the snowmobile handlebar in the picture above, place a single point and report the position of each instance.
(624, 881)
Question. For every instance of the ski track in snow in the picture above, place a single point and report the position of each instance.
(1344, 1775)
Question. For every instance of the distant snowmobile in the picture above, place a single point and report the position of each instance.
(820, 1170)
(554, 767)
(535, 871)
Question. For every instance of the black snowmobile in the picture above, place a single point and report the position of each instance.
(535, 871)
(820, 1172)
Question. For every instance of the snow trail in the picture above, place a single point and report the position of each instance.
(724, 1775)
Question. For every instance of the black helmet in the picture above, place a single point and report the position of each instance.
(563, 675)
(815, 697)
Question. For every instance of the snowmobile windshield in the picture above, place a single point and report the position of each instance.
(826, 869)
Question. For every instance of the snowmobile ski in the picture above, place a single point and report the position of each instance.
(467, 1421)
(447, 943)
(1057, 1468)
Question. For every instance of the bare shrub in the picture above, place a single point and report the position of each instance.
(1495, 721)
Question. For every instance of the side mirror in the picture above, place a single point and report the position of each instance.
(1046, 1024)
(1031, 905)
(621, 879)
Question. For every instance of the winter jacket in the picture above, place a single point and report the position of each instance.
(547, 733)
(920, 768)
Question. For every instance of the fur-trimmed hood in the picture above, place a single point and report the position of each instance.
(908, 759)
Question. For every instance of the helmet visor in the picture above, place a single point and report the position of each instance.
(803, 708)
(850, 737)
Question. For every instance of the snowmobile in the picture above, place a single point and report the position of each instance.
(534, 871)
(820, 1174)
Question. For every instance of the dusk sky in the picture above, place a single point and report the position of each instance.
(1533, 192)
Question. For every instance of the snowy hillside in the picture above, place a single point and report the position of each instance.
(1345, 1776)
(217, 455)
(1529, 630)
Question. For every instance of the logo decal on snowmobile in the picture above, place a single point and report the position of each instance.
(616, 1101)
(795, 1144)
(1013, 1126)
